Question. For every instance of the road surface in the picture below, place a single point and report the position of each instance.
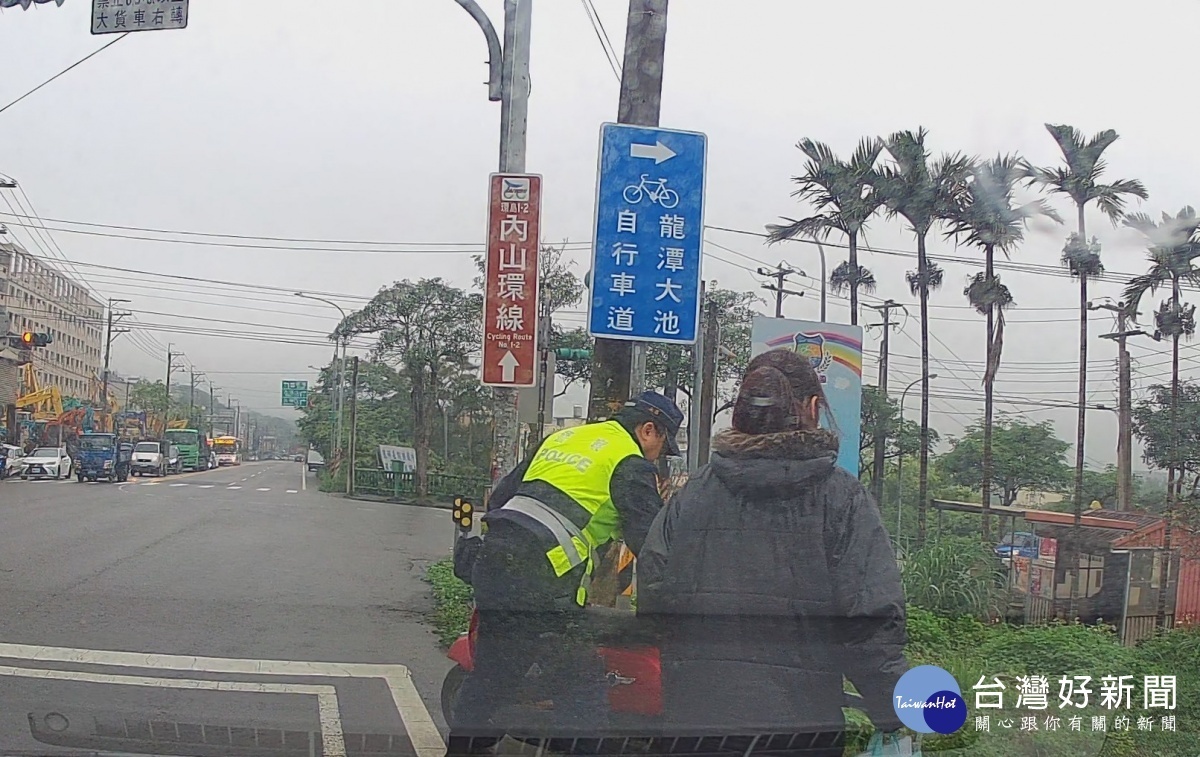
(235, 611)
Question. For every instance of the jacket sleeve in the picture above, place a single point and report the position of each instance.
(507, 487)
(869, 598)
(634, 492)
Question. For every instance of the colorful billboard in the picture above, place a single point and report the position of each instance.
(835, 350)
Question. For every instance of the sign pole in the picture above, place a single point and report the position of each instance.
(619, 366)
(514, 118)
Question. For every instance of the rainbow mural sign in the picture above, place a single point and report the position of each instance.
(835, 350)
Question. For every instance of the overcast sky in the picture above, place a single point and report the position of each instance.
(370, 121)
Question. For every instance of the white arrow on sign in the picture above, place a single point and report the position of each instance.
(508, 367)
(658, 151)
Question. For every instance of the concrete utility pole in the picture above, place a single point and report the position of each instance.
(780, 275)
(885, 310)
(109, 333)
(192, 402)
(616, 370)
(708, 382)
(1124, 401)
(545, 375)
(212, 409)
(353, 424)
(170, 369)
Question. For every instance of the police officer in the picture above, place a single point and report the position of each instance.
(584, 487)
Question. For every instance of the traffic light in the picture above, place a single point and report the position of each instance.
(29, 339)
(464, 513)
(572, 353)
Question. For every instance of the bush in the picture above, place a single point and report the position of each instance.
(452, 600)
(954, 576)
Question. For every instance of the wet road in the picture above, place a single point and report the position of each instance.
(234, 611)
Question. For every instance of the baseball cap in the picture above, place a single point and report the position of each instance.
(663, 412)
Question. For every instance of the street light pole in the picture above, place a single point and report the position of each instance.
(341, 369)
(900, 460)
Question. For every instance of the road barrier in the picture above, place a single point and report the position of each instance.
(403, 485)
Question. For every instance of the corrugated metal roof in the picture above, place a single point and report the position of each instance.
(406, 456)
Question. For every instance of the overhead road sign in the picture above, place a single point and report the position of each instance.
(649, 225)
(120, 16)
(510, 298)
(295, 394)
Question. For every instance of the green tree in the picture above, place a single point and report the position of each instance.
(429, 329)
(1171, 443)
(148, 396)
(1174, 246)
(1079, 178)
(881, 419)
(1025, 456)
(923, 193)
(842, 193)
(990, 219)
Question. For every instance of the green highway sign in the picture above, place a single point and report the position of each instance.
(295, 394)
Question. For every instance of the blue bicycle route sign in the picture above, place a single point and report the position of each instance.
(645, 282)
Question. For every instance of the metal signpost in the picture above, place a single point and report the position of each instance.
(649, 226)
(295, 394)
(120, 16)
(510, 298)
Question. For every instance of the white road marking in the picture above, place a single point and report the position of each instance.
(292, 491)
(227, 488)
(266, 489)
(179, 484)
(418, 724)
(205, 486)
(303, 478)
(332, 740)
(151, 483)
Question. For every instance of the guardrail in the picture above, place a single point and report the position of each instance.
(403, 485)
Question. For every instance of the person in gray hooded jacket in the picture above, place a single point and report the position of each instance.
(770, 576)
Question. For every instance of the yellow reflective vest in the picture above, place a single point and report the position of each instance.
(579, 462)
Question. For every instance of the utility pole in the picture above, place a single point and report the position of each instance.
(212, 409)
(108, 340)
(545, 377)
(171, 368)
(708, 385)
(780, 275)
(1124, 400)
(694, 424)
(616, 370)
(353, 424)
(192, 402)
(514, 120)
(885, 311)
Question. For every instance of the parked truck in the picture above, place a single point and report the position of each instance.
(102, 457)
(193, 447)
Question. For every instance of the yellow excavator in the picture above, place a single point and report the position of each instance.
(45, 404)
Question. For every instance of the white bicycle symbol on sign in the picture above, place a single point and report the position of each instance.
(656, 191)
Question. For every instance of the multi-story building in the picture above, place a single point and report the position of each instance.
(35, 296)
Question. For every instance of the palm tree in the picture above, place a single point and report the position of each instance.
(989, 219)
(923, 193)
(1079, 179)
(842, 193)
(1174, 247)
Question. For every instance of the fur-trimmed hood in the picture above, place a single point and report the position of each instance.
(773, 463)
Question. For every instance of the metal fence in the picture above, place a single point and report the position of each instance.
(403, 484)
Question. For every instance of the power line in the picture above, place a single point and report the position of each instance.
(610, 53)
(65, 70)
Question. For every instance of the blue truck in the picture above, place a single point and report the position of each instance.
(1018, 544)
(101, 456)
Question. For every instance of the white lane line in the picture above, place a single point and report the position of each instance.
(180, 484)
(205, 486)
(150, 483)
(227, 488)
(292, 491)
(266, 489)
(303, 477)
(418, 724)
(332, 739)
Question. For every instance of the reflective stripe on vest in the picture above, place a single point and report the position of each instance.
(580, 462)
(572, 550)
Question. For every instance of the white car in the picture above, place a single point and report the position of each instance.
(46, 462)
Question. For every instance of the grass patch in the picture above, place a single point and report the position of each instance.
(452, 599)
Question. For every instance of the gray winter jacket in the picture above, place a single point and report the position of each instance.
(770, 576)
